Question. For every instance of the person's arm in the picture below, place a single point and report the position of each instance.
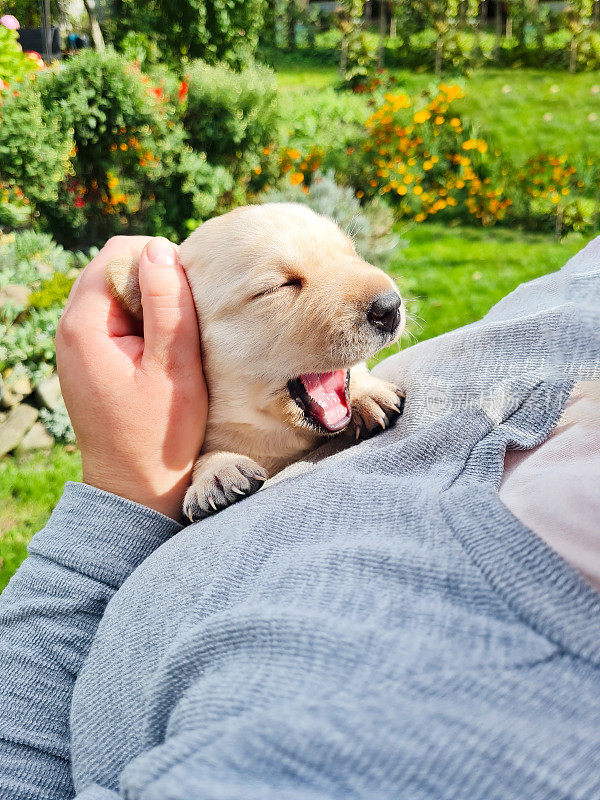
(138, 406)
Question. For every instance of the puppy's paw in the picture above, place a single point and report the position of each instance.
(375, 407)
(221, 479)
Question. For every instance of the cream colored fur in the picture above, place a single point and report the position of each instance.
(258, 332)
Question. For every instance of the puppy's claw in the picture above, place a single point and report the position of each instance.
(221, 479)
(376, 408)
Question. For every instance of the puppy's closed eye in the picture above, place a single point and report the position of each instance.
(292, 283)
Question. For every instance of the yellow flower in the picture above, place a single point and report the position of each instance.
(296, 178)
(427, 165)
(482, 146)
(469, 144)
(420, 216)
(360, 194)
(418, 190)
(401, 190)
(422, 116)
(455, 122)
(439, 120)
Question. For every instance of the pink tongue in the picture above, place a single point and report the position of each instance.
(328, 393)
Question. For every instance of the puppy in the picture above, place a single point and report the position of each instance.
(287, 312)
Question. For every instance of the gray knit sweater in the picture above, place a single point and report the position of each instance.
(374, 624)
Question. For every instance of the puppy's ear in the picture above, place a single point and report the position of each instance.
(122, 279)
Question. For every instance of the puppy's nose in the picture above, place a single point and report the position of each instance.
(384, 313)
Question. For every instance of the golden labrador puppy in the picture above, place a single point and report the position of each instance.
(287, 313)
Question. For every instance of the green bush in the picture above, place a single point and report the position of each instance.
(132, 169)
(34, 147)
(232, 116)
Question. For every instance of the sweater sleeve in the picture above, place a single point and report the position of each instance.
(49, 614)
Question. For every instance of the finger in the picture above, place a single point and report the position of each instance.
(170, 326)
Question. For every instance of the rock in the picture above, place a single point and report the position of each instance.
(15, 386)
(36, 438)
(14, 293)
(48, 393)
(18, 421)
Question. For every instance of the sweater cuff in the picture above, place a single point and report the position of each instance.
(101, 535)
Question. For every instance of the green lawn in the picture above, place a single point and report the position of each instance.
(527, 111)
(450, 276)
(29, 490)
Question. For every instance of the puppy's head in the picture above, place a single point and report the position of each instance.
(286, 306)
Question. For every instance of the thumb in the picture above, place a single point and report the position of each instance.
(170, 325)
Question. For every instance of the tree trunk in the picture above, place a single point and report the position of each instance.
(97, 38)
(291, 24)
(439, 45)
(573, 55)
(394, 25)
(382, 32)
(596, 13)
(344, 56)
(498, 30)
(462, 14)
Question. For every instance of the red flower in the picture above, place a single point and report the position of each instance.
(79, 203)
(157, 91)
(183, 90)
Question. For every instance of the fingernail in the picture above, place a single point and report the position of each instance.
(161, 251)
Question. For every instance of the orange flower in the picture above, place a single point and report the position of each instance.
(422, 116)
(296, 178)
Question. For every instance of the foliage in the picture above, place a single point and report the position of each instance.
(53, 291)
(131, 167)
(27, 331)
(370, 225)
(215, 30)
(34, 148)
(58, 424)
(232, 116)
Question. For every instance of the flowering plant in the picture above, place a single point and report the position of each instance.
(428, 160)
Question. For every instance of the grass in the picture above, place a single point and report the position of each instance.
(453, 276)
(29, 490)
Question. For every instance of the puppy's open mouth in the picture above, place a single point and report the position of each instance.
(323, 398)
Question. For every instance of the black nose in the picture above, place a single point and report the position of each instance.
(384, 313)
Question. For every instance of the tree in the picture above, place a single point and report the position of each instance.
(214, 30)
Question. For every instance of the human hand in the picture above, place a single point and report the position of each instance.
(137, 399)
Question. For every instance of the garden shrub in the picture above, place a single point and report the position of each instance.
(132, 169)
(34, 147)
(370, 225)
(231, 116)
